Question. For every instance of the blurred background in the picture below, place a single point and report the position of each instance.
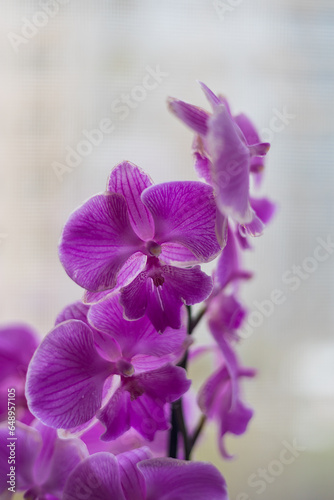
(70, 67)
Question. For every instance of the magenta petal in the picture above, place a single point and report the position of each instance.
(67, 454)
(115, 415)
(132, 480)
(130, 181)
(260, 149)
(96, 478)
(167, 383)
(212, 391)
(221, 228)
(191, 285)
(169, 478)
(27, 447)
(264, 209)
(196, 118)
(247, 128)
(161, 386)
(253, 228)
(236, 422)
(231, 165)
(203, 167)
(76, 310)
(134, 337)
(42, 465)
(133, 266)
(134, 297)
(97, 241)
(147, 416)
(175, 253)
(162, 303)
(211, 97)
(228, 263)
(17, 345)
(185, 213)
(66, 377)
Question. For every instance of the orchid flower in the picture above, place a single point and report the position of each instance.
(147, 240)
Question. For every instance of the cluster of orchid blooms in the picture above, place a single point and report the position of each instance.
(103, 404)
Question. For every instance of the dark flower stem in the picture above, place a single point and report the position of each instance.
(177, 416)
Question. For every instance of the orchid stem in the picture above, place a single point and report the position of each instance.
(198, 430)
(177, 416)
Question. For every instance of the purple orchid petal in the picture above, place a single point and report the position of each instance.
(260, 149)
(167, 383)
(211, 97)
(225, 314)
(247, 128)
(115, 415)
(252, 137)
(253, 228)
(219, 398)
(164, 385)
(66, 377)
(177, 254)
(194, 117)
(132, 480)
(134, 337)
(77, 310)
(264, 209)
(68, 453)
(133, 266)
(191, 285)
(130, 181)
(221, 229)
(209, 396)
(27, 446)
(96, 478)
(140, 400)
(228, 266)
(97, 241)
(107, 347)
(17, 345)
(184, 212)
(231, 164)
(160, 293)
(42, 465)
(168, 478)
(147, 416)
(130, 440)
(203, 167)
(235, 422)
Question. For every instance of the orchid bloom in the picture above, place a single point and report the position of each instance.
(227, 150)
(17, 345)
(146, 240)
(70, 372)
(135, 476)
(219, 399)
(43, 461)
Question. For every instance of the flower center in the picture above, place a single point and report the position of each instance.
(125, 368)
(153, 248)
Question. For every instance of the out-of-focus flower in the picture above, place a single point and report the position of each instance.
(73, 365)
(227, 149)
(219, 399)
(18, 343)
(136, 476)
(43, 461)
